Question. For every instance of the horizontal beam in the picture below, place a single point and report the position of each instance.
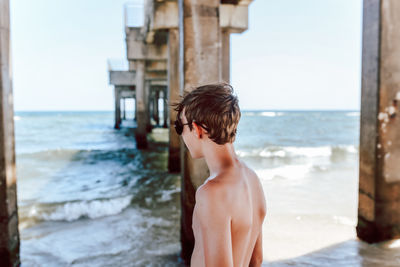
(163, 15)
(137, 49)
(119, 78)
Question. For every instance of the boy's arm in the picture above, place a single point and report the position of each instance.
(215, 227)
(257, 256)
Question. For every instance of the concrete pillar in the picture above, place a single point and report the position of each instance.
(9, 235)
(117, 108)
(200, 63)
(123, 109)
(135, 111)
(141, 103)
(174, 164)
(147, 105)
(226, 54)
(156, 108)
(165, 108)
(151, 106)
(379, 184)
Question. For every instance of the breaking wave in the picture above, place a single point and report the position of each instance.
(292, 152)
(71, 211)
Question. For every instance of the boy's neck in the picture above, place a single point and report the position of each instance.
(219, 157)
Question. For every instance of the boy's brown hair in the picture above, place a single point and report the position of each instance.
(215, 108)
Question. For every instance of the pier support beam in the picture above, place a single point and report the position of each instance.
(174, 162)
(165, 108)
(156, 115)
(135, 111)
(9, 235)
(141, 103)
(199, 25)
(226, 54)
(117, 111)
(123, 109)
(147, 90)
(379, 185)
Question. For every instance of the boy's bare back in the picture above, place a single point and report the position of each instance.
(227, 219)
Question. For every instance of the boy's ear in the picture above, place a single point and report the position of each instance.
(198, 129)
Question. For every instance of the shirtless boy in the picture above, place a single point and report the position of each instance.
(230, 205)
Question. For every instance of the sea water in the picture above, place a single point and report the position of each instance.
(88, 197)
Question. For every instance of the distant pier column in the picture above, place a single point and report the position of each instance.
(199, 21)
(379, 184)
(226, 53)
(117, 111)
(141, 103)
(174, 162)
(135, 111)
(156, 109)
(151, 106)
(165, 108)
(9, 235)
(123, 109)
(147, 87)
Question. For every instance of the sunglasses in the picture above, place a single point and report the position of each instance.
(179, 126)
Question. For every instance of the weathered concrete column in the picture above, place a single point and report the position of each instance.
(123, 109)
(9, 235)
(379, 186)
(151, 105)
(117, 108)
(226, 54)
(174, 162)
(141, 103)
(147, 90)
(201, 51)
(156, 109)
(165, 108)
(135, 111)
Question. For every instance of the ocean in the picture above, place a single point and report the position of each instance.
(88, 197)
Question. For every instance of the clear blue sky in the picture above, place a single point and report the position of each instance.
(297, 54)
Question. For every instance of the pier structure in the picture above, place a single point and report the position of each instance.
(161, 19)
(9, 235)
(147, 58)
(145, 80)
(379, 184)
(124, 87)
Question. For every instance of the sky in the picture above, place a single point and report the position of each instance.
(296, 54)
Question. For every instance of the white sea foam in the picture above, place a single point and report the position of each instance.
(264, 113)
(289, 172)
(322, 151)
(167, 194)
(353, 114)
(393, 244)
(344, 220)
(93, 209)
(291, 151)
(17, 118)
(271, 114)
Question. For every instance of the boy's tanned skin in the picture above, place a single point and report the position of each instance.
(230, 205)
